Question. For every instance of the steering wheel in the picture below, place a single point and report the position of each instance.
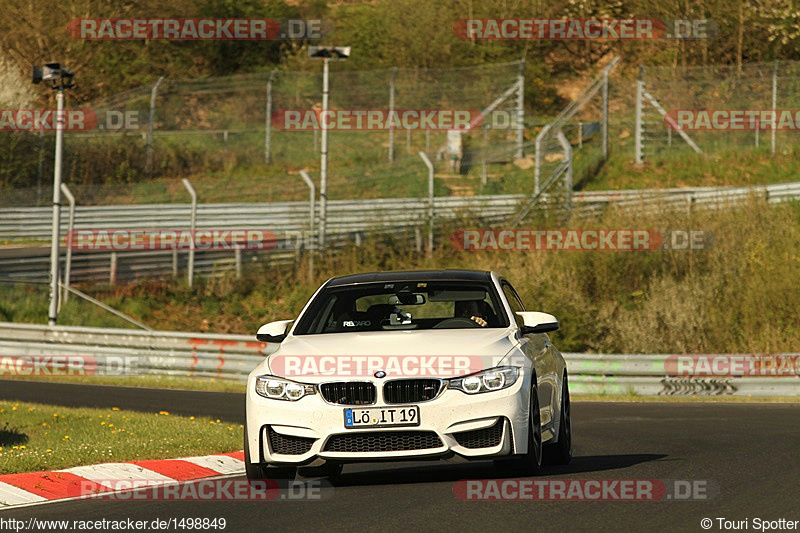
(459, 322)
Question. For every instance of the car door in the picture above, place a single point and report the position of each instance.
(539, 348)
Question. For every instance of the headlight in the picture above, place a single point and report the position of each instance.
(486, 381)
(282, 389)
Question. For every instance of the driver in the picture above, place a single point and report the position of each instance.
(471, 309)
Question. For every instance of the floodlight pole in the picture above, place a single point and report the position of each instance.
(56, 234)
(323, 164)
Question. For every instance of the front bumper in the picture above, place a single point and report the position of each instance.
(306, 431)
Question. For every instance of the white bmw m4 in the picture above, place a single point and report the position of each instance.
(409, 366)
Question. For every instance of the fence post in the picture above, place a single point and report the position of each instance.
(605, 114)
(268, 121)
(391, 108)
(567, 147)
(428, 164)
(112, 270)
(311, 196)
(70, 226)
(537, 158)
(484, 172)
(237, 257)
(40, 168)
(151, 126)
(638, 129)
(774, 106)
(521, 110)
(192, 224)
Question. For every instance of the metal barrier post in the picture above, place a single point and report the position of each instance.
(70, 226)
(192, 222)
(391, 108)
(774, 106)
(638, 130)
(521, 110)
(428, 164)
(151, 126)
(605, 113)
(564, 142)
(268, 121)
(311, 245)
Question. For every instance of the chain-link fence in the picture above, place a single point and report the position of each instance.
(754, 86)
(226, 126)
(572, 147)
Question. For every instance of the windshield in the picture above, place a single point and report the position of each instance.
(403, 305)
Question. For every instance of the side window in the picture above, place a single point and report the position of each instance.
(513, 301)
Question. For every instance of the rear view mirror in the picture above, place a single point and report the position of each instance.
(274, 331)
(407, 298)
(536, 322)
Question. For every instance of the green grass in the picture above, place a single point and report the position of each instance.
(684, 168)
(43, 437)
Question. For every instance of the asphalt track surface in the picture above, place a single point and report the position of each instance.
(746, 452)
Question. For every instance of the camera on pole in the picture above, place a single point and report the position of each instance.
(59, 78)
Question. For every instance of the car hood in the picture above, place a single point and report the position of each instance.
(401, 353)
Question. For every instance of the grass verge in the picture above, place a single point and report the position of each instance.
(37, 437)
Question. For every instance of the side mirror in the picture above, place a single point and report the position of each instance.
(536, 322)
(274, 331)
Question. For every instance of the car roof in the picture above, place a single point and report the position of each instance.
(411, 275)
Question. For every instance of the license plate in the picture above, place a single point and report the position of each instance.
(378, 417)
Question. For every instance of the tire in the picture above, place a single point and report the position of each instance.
(560, 453)
(530, 462)
(257, 471)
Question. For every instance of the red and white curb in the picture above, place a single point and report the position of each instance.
(33, 488)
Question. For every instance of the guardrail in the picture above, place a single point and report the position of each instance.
(347, 221)
(654, 375)
(30, 223)
(108, 351)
